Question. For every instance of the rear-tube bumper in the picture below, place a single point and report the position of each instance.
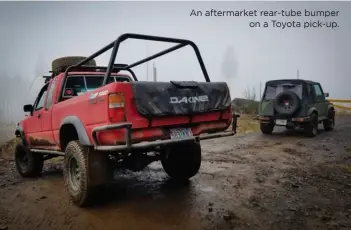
(149, 144)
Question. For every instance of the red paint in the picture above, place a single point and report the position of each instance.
(47, 126)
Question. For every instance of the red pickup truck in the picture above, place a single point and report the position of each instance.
(99, 118)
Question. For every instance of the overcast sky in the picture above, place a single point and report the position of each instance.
(34, 33)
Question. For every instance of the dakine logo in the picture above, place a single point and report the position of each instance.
(178, 100)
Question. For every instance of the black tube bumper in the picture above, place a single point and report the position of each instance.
(128, 146)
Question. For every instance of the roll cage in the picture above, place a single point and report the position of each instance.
(112, 67)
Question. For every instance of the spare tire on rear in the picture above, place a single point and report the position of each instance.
(61, 64)
(287, 103)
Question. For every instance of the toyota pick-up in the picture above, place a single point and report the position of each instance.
(99, 118)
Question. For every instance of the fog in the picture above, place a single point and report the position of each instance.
(34, 33)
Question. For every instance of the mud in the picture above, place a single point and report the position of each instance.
(283, 181)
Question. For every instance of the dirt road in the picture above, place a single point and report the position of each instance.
(283, 181)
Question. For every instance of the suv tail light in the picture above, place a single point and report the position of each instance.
(116, 103)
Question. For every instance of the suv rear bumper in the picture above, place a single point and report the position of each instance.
(290, 120)
(148, 144)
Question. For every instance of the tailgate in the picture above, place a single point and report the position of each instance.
(154, 108)
(156, 99)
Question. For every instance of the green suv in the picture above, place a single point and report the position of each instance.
(295, 103)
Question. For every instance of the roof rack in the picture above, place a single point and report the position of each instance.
(116, 68)
(47, 78)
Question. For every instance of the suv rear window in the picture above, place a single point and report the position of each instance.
(273, 90)
(78, 84)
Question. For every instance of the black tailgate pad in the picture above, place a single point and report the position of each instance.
(179, 98)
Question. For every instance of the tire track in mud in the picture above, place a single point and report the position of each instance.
(286, 181)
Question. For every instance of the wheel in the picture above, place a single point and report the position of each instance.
(267, 128)
(311, 127)
(330, 122)
(84, 171)
(182, 161)
(28, 164)
(61, 64)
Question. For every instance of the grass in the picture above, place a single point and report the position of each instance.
(7, 150)
(345, 167)
(342, 112)
(247, 124)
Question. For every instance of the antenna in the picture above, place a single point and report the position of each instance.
(298, 74)
(155, 72)
(147, 63)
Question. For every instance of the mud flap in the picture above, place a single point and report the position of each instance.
(235, 122)
(99, 168)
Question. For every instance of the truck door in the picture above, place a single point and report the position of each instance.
(33, 125)
(46, 118)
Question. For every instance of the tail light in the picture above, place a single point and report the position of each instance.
(116, 103)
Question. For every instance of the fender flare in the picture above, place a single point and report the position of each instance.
(312, 110)
(19, 132)
(331, 107)
(79, 126)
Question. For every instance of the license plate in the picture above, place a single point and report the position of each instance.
(180, 133)
(280, 122)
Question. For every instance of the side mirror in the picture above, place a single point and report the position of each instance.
(326, 94)
(28, 108)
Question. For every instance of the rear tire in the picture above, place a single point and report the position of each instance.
(28, 164)
(85, 170)
(311, 128)
(182, 161)
(267, 128)
(329, 124)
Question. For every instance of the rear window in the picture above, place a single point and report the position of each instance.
(273, 90)
(77, 85)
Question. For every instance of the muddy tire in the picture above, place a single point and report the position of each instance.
(329, 124)
(28, 164)
(311, 127)
(84, 171)
(183, 161)
(61, 64)
(267, 128)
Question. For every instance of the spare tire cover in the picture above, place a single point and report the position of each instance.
(286, 103)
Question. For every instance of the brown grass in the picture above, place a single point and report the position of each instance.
(247, 124)
(7, 150)
(345, 167)
(342, 112)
